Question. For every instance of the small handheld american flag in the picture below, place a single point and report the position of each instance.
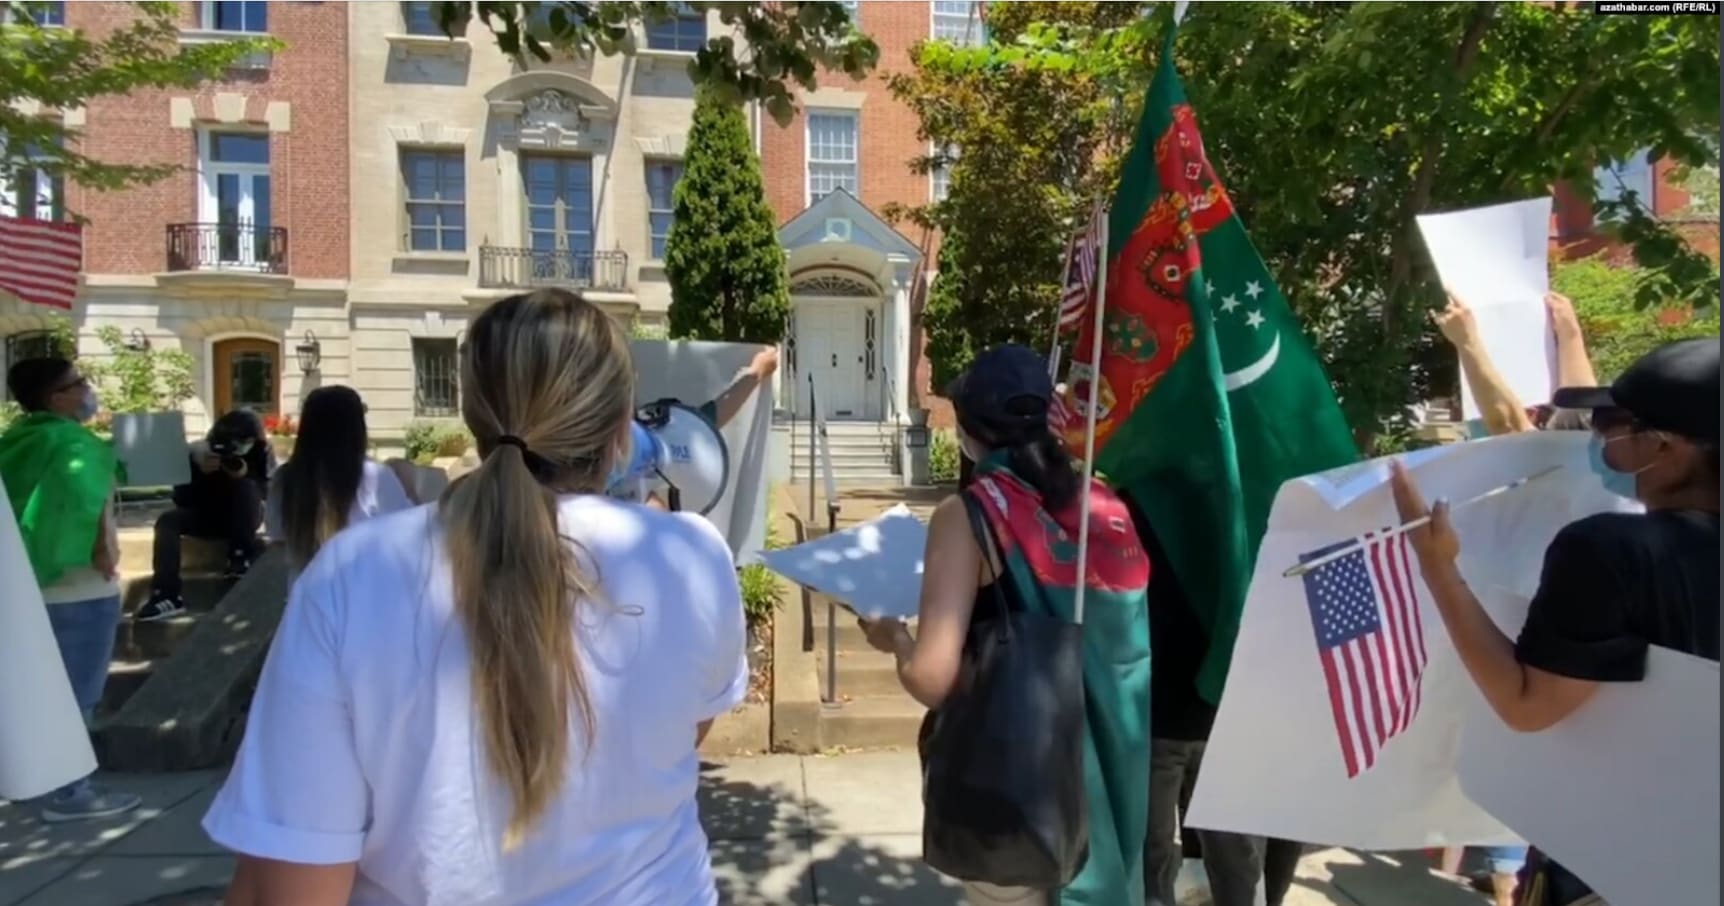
(1370, 639)
(40, 260)
(1080, 273)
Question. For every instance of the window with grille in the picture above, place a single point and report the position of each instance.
(685, 31)
(34, 344)
(420, 19)
(237, 15)
(940, 176)
(33, 193)
(436, 384)
(436, 199)
(832, 160)
(958, 21)
(661, 176)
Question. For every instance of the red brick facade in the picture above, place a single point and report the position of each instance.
(308, 161)
(1573, 234)
(887, 144)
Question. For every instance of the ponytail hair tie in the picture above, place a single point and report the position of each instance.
(510, 440)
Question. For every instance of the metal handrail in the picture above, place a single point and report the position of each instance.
(240, 245)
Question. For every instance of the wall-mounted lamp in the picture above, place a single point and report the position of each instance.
(137, 342)
(310, 353)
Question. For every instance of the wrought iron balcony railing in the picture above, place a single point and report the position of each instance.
(238, 246)
(516, 268)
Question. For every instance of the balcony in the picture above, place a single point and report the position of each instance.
(514, 268)
(241, 247)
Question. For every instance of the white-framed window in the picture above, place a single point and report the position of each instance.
(420, 18)
(434, 183)
(1612, 181)
(661, 180)
(940, 177)
(958, 21)
(684, 31)
(234, 205)
(33, 193)
(236, 15)
(832, 152)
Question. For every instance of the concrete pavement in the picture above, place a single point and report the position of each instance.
(840, 830)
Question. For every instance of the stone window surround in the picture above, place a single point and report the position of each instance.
(547, 110)
(436, 136)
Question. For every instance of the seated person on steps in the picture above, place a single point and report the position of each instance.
(223, 501)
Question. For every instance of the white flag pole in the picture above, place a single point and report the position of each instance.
(1089, 420)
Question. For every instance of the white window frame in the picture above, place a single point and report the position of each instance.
(1636, 175)
(208, 17)
(809, 162)
(970, 31)
(209, 201)
(651, 162)
(681, 13)
(43, 209)
(940, 176)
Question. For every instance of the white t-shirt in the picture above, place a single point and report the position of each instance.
(379, 493)
(363, 743)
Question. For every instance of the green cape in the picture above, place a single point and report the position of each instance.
(59, 477)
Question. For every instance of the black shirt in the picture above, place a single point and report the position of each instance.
(1177, 645)
(1615, 583)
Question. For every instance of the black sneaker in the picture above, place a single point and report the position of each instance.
(160, 607)
(237, 565)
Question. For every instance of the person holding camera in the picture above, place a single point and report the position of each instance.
(224, 500)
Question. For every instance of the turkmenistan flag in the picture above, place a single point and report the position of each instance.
(1210, 396)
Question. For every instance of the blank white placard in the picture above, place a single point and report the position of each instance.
(873, 569)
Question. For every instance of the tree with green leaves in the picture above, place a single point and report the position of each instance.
(46, 68)
(726, 268)
(1333, 126)
(772, 47)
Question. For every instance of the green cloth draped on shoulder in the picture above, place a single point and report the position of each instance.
(1039, 552)
(59, 477)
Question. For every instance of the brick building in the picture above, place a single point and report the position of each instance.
(241, 255)
(1575, 235)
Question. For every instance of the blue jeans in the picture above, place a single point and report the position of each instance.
(85, 630)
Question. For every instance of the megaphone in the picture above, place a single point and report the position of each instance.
(675, 444)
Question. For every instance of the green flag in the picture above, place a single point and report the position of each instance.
(1209, 396)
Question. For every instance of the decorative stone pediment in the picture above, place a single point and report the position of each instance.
(662, 145)
(553, 110)
(431, 133)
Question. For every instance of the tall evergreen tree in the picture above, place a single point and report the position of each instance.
(722, 256)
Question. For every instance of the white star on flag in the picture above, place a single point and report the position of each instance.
(1255, 319)
(1229, 303)
(1254, 289)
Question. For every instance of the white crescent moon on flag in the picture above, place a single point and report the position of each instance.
(1245, 377)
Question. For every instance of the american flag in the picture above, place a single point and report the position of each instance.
(40, 260)
(1371, 641)
(1081, 254)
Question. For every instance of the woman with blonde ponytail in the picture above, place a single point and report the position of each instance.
(497, 700)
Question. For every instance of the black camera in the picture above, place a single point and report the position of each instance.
(231, 450)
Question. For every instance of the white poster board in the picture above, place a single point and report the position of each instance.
(1411, 797)
(43, 742)
(874, 569)
(1497, 260)
(152, 448)
(1623, 792)
(695, 373)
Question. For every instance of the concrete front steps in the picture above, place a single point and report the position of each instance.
(871, 709)
(139, 648)
(863, 453)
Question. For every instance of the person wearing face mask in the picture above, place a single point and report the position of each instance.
(60, 480)
(1612, 583)
(224, 500)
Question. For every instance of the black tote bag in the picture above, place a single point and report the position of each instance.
(1003, 757)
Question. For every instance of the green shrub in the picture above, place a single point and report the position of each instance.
(760, 592)
(943, 457)
(9, 413)
(1616, 331)
(425, 441)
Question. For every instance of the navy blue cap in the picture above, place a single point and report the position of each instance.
(1005, 394)
(1673, 388)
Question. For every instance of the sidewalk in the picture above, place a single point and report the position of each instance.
(832, 830)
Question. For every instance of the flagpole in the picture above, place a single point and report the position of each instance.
(1059, 309)
(1089, 421)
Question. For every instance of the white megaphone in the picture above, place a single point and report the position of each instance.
(675, 444)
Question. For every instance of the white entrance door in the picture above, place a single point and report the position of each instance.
(830, 346)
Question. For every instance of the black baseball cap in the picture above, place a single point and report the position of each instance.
(1673, 388)
(1005, 393)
